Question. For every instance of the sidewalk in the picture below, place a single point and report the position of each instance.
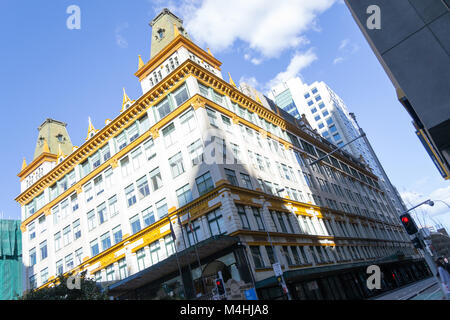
(409, 291)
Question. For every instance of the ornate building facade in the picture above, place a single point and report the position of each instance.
(189, 181)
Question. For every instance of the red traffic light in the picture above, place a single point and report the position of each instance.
(405, 219)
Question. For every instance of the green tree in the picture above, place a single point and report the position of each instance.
(89, 290)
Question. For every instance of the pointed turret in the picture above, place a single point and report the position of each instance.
(140, 62)
(46, 148)
(126, 102)
(61, 155)
(210, 53)
(24, 163)
(91, 130)
(176, 32)
(231, 80)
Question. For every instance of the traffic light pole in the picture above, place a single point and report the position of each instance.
(426, 250)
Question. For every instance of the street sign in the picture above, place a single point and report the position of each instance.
(277, 269)
(250, 294)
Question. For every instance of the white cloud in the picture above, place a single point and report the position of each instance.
(120, 39)
(268, 27)
(338, 60)
(250, 81)
(299, 61)
(343, 44)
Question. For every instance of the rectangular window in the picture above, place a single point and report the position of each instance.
(161, 208)
(143, 188)
(137, 158)
(88, 192)
(257, 258)
(155, 178)
(246, 181)
(243, 217)
(74, 202)
(140, 255)
(43, 249)
(79, 256)
(212, 117)
(123, 271)
(169, 244)
(155, 252)
(204, 183)
(297, 260)
(231, 177)
(169, 135)
(135, 223)
(57, 241)
(184, 195)
(148, 216)
(105, 241)
(69, 262)
(76, 229)
(67, 235)
(121, 141)
(125, 166)
(270, 254)
(181, 95)
(193, 235)
(32, 230)
(117, 234)
(91, 220)
(216, 223)
(130, 195)
(196, 152)
(258, 218)
(112, 202)
(94, 247)
(102, 213)
(176, 165)
(110, 273)
(149, 147)
(59, 267)
(188, 121)
(32, 255)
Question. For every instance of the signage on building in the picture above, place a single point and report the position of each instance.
(277, 269)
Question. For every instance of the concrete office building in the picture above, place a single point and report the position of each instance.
(194, 148)
(411, 41)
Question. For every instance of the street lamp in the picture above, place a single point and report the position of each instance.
(274, 251)
(337, 149)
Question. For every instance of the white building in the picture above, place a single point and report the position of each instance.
(193, 145)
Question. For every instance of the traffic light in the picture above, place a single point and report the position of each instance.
(220, 286)
(417, 243)
(409, 224)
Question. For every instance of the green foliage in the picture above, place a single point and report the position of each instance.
(89, 290)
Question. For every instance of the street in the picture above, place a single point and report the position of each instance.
(426, 289)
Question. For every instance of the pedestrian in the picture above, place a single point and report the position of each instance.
(444, 276)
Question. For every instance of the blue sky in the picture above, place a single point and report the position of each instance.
(49, 71)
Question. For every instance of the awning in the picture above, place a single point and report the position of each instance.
(188, 256)
(293, 275)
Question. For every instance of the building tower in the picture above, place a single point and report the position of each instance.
(52, 136)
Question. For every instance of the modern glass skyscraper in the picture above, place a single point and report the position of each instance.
(327, 113)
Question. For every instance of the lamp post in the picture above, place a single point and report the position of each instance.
(277, 262)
